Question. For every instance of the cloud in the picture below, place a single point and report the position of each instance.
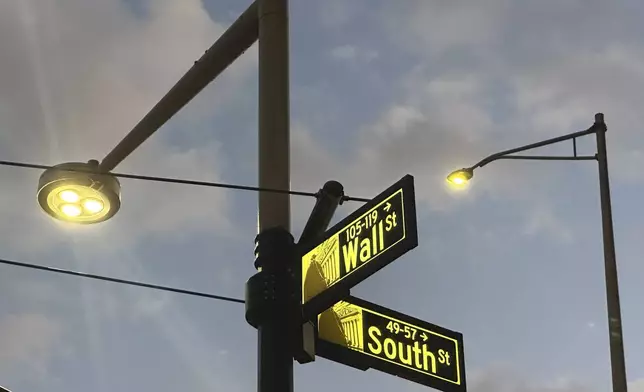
(433, 28)
(500, 378)
(492, 77)
(636, 386)
(76, 78)
(542, 219)
(353, 54)
(337, 13)
(438, 126)
(560, 95)
(546, 70)
(312, 165)
(28, 340)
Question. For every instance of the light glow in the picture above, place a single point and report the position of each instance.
(71, 210)
(69, 196)
(93, 206)
(459, 179)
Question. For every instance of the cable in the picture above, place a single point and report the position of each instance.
(122, 281)
(27, 165)
(189, 182)
(210, 184)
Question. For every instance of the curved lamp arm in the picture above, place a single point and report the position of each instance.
(462, 176)
(507, 153)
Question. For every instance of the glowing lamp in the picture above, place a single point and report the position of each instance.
(460, 177)
(76, 192)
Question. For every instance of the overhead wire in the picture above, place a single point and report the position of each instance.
(188, 182)
(156, 179)
(121, 281)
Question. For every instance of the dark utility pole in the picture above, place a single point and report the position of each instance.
(272, 307)
(273, 304)
(618, 365)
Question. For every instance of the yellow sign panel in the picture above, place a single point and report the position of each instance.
(415, 347)
(370, 236)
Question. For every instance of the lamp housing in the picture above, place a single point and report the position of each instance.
(460, 177)
(77, 192)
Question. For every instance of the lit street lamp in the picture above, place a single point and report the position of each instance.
(88, 193)
(461, 177)
(76, 192)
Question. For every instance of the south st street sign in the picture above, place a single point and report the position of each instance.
(365, 335)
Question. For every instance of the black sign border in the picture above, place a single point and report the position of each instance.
(340, 290)
(360, 361)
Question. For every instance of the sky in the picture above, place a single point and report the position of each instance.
(379, 89)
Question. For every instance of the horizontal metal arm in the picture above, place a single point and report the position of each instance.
(507, 153)
(230, 45)
(550, 157)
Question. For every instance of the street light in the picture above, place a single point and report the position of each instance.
(87, 193)
(265, 21)
(76, 192)
(462, 176)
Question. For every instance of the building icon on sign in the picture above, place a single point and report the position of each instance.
(329, 261)
(343, 325)
(351, 323)
(321, 268)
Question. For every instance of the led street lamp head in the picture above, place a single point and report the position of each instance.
(76, 192)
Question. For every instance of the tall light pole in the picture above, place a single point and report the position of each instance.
(274, 331)
(271, 301)
(462, 176)
(274, 117)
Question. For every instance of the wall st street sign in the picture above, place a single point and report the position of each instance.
(358, 246)
(361, 334)
(364, 335)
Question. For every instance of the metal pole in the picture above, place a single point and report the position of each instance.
(232, 44)
(617, 361)
(328, 199)
(274, 121)
(275, 357)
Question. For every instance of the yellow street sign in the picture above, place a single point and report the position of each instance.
(365, 335)
(358, 246)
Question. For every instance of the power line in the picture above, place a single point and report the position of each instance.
(164, 180)
(188, 182)
(122, 281)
